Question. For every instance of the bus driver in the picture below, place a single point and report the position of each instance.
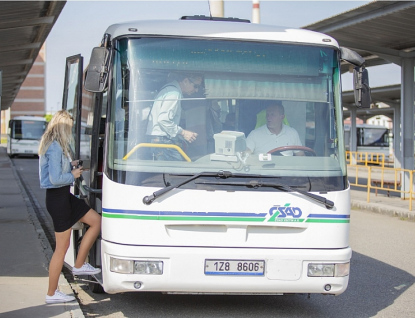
(274, 134)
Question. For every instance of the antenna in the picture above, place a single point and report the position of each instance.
(210, 11)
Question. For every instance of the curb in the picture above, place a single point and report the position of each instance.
(404, 214)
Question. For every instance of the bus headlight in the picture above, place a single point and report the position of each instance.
(148, 267)
(328, 270)
(122, 266)
(125, 266)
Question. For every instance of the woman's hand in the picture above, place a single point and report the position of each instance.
(75, 163)
(77, 172)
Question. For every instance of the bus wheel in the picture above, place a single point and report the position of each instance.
(94, 285)
(96, 288)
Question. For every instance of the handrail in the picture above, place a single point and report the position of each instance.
(151, 145)
(382, 178)
(354, 157)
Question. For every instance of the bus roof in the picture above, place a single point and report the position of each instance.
(220, 30)
(29, 118)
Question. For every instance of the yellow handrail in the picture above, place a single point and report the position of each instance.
(151, 145)
(381, 178)
(354, 157)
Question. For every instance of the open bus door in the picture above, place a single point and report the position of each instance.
(88, 148)
(72, 96)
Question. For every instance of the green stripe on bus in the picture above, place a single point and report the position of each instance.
(218, 219)
(179, 218)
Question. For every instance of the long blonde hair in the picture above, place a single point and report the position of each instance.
(59, 129)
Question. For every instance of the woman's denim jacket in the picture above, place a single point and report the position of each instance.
(55, 168)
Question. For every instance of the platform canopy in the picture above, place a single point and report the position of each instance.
(380, 31)
(24, 27)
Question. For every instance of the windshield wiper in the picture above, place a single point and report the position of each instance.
(256, 184)
(148, 199)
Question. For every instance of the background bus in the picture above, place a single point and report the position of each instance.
(370, 138)
(24, 135)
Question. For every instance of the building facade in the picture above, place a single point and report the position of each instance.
(31, 98)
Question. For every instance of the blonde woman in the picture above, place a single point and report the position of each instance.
(56, 176)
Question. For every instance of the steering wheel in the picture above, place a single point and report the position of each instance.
(278, 150)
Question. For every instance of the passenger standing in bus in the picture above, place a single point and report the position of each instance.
(163, 125)
(274, 133)
(56, 176)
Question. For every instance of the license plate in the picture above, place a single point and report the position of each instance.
(234, 267)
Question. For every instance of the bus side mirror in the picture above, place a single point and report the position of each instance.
(361, 87)
(97, 72)
(351, 56)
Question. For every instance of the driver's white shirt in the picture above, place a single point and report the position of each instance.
(262, 140)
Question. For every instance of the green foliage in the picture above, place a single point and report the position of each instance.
(48, 117)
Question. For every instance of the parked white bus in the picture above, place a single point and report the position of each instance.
(370, 138)
(221, 220)
(24, 134)
(372, 141)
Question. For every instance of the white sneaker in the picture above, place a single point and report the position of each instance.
(86, 269)
(59, 297)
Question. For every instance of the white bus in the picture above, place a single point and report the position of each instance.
(370, 138)
(24, 134)
(220, 220)
(373, 140)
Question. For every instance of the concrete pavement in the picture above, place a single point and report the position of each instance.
(24, 254)
(25, 251)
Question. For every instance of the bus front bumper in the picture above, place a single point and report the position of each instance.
(206, 270)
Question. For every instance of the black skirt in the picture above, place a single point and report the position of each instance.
(64, 208)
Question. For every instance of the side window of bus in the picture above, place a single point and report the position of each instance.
(18, 133)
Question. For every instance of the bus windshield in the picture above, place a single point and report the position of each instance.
(27, 129)
(260, 108)
(376, 137)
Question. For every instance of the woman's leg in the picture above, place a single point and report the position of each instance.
(93, 219)
(56, 262)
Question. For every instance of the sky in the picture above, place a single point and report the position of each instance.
(81, 25)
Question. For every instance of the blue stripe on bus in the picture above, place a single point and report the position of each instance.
(227, 214)
(330, 216)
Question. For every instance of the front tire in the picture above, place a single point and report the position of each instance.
(95, 287)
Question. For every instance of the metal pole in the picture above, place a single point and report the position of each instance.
(1, 92)
(407, 120)
(353, 136)
(397, 154)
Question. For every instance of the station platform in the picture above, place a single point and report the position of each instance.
(25, 254)
(25, 250)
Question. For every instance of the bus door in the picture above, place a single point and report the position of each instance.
(72, 96)
(88, 132)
